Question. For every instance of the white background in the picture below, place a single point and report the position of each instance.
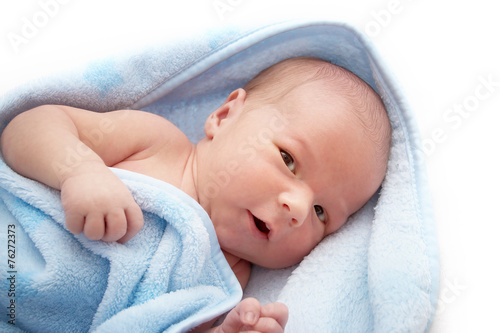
(442, 52)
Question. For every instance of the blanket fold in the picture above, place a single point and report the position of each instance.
(171, 277)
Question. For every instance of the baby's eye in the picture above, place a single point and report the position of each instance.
(320, 213)
(288, 159)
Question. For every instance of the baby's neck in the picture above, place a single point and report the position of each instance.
(198, 158)
(189, 176)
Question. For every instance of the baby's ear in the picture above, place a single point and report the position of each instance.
(231, 108)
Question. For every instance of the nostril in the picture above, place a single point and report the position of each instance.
(296, 223)
(286, 207)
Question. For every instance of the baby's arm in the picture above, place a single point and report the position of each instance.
(69, 149)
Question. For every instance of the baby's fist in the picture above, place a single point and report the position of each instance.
(250, 315)
(99, 204)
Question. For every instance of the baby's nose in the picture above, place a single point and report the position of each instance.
(296, 205)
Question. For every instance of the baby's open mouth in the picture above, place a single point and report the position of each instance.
(261, 225)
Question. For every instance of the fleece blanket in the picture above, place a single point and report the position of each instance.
(171, 277)
(379, 273)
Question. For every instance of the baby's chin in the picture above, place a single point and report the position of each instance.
(276, 264)
(267, 260)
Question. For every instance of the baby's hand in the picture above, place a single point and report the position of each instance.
(250, 315)
(99, 204)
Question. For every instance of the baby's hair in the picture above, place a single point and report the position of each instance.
(273, 84)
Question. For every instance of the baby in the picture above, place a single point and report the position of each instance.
(284, 163)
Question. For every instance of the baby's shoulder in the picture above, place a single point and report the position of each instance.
(161, 131)
(160, 150)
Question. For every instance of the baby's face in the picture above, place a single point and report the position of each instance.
(282, 177)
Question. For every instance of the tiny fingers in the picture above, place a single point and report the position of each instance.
(74, 222)
(250, 316)
(116, 225)
(267, 325)
(135, 222)
(245, 314)
(250, 311)
(119, 225)
(278, 311)
(94, 227)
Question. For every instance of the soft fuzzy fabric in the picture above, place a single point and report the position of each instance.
(379, 273)
(171, 277)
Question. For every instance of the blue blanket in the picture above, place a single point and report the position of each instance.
(171, 277)
(380, 272)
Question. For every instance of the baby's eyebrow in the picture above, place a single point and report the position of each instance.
(302, 144)
(298, 147)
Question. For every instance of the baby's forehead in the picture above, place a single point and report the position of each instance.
(323, 104)
(315, 103)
